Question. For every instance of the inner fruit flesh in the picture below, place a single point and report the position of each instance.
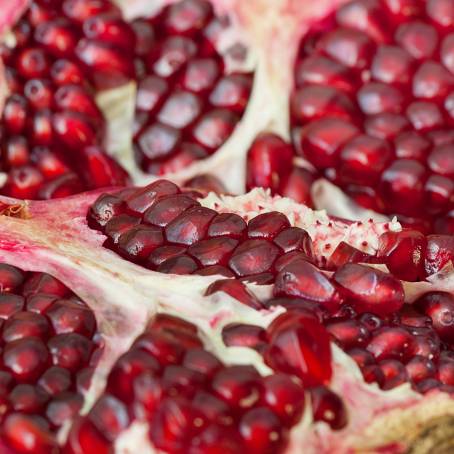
(371, 108)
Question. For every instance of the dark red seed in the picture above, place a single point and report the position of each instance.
(140, 241)
(236, 289)
(328, 407)
(70, 351)
(242, 335)
(227, 224)
(392, 343)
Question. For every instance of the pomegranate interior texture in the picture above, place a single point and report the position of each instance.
(226, 226)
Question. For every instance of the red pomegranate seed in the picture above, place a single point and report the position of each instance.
(26, 358)
(200, 75)
(394, 372)
(38, 93)
(28, 399)
(55, 380)
(33, 62)
(386, 125)
(348, 333)
(166, 349)
(15, 114)
(237, 385)
(404, 253)
(10, 278)
(438, 192)
(284, 397)
(374, 374)
(418, 38)
(215, 270)
(70, 351)
(180, 109)
(187, 17)
(445, 372)
(420, 368)
(432, 81)
(214, 128)
(76, 98)
(261, 431)
(253, 257)
(174, 424)
(439, 306)
(202, 361)
(377, 98)
(362, 357)
(213, 409)
(148, 393)
(391, 343)
(139, 242)
(323, 139)
(269, 161)
(59, 37)
(231, 92)
(65, 72)
(236, 289)
(85, 438)
(181, 381)
(213, 251)
(190, 226)
(25, 324)
(300, 347)
(45, 283)
(167, 209)
(117, 226)
(392, 65)
(110, 416)
(411, 145)
(297, 186)
(304, 280)
(110, 28)
(227, 224)
(104, 209)
(71, 316)
(80, 10)
(163, 253)
(139, 201)
(363, 159)
(64, 408)
(267, 225)
(28, 434)
(10, 305)
(370, 290)
(218, 438)
(242, 335)
(328, 407)
(129, 366)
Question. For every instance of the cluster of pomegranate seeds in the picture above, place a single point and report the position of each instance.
(52, 130)
(194, 403)
(372, 109)
(187, 103)
(168, 231)
(364, 312)
(50, 345)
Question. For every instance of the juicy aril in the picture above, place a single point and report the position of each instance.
(164, 318)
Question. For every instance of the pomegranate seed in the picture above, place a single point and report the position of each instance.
(129, 366)
(391, 343)
(26, 358)
(202, 361)
(33, 62)
(200, 75)
(417, 38)
(164, 253)
(267, 225)
(439, 306)
(374, 374)
(420, 368)
(411, 145)
(84, 437)
(370, 290)
(81, 10)
(386, 125)
(187, 17)
(348, 333)
(304, 280)
(110, 28)
(167, 209)
(180, 110)
(362, 357)
(445, 372)
(253, 257)
(65, 72)
(59, 36)
(104, 209)
(328, 407)
(236, 289)
(164, 348)
(63, 408)
(213, 251)
(261, 430)
(297, 186)
(323, 139)
(25, 324)
(363, 159)
(110, 416)
(10, 278)
(376, 98)
(242, 335)
(28, 434)
(216, 438)
(148, 393)
(269, 161)
(227, 224)
(439, 252)
(181, 381)
(395, 373)
(174, 424)
(237, 385)
(15, 114)
(55, 380)
(28, 399)
(284, 397)
(392, 65)
(139, 242)
(441, 12)
(231, 92)
(139, 201)
(213, 408)
(300, 347)
(214, 128)
(70, 351)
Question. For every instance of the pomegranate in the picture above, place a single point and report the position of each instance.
(169, 310)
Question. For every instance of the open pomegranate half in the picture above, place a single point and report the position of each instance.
(169, 310)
